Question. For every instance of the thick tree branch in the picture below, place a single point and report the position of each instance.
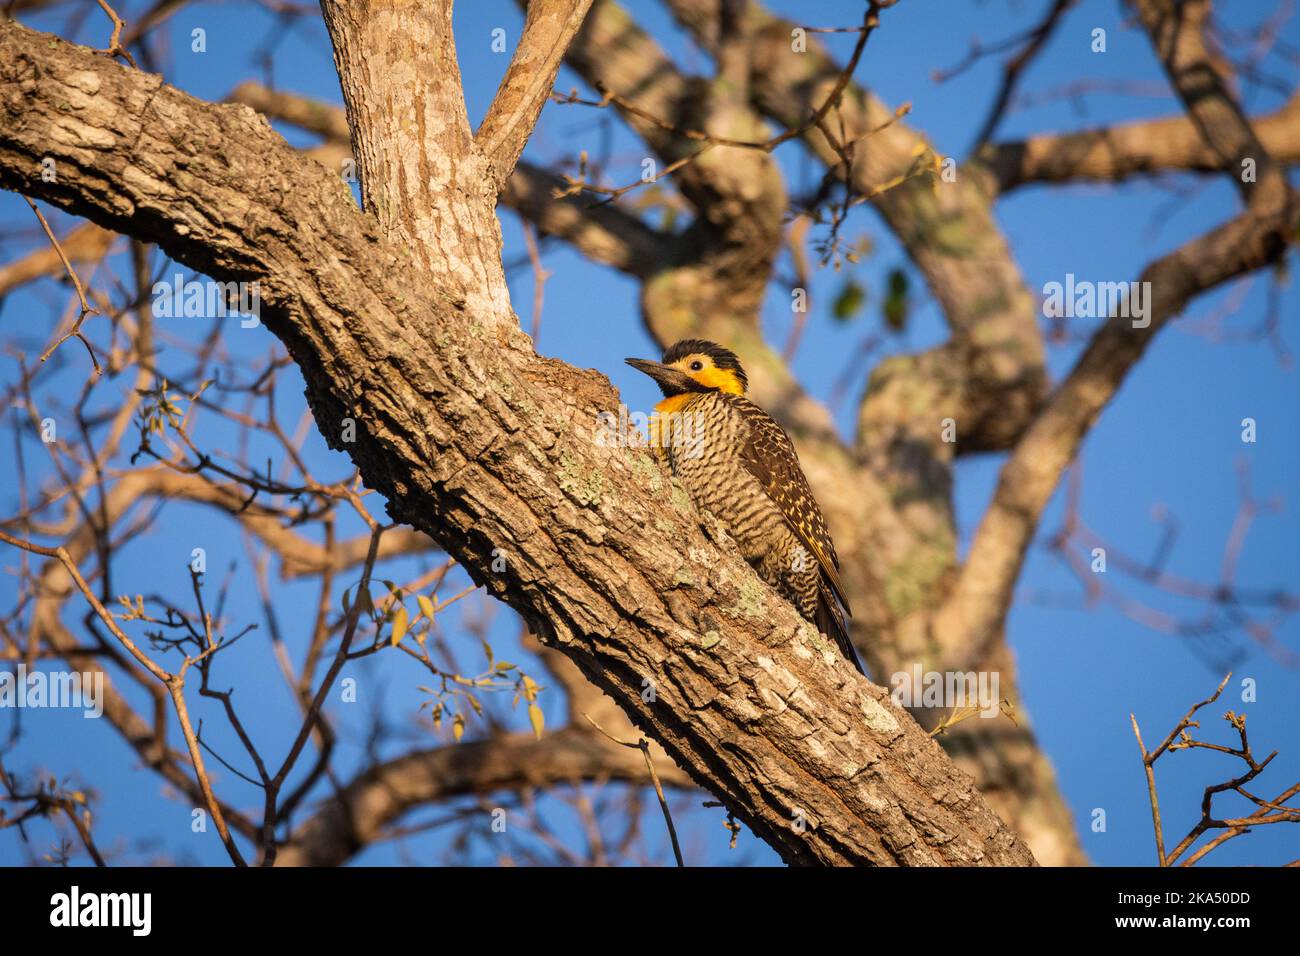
(1116, 153)
(421, 177)
(527, 85)
(1177, 31)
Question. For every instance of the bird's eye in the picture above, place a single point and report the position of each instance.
(697, 366)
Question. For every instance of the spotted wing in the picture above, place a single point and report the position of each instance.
(770, 457)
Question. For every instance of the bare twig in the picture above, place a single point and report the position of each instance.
(86, 309)
(1015, 67)
(644, 746)
(115, 47)
(1270, 811)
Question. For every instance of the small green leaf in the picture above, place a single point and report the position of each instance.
(848, 303)
(896, 304)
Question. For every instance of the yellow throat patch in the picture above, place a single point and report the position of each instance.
(722, 379)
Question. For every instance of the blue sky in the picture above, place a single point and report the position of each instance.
(1170, 443)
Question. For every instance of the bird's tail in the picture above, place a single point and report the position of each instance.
(831, 622)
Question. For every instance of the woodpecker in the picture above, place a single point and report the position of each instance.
(741, 466)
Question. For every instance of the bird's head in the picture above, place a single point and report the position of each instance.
(694, 365)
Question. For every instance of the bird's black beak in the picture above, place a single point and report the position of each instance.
(670, 380)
